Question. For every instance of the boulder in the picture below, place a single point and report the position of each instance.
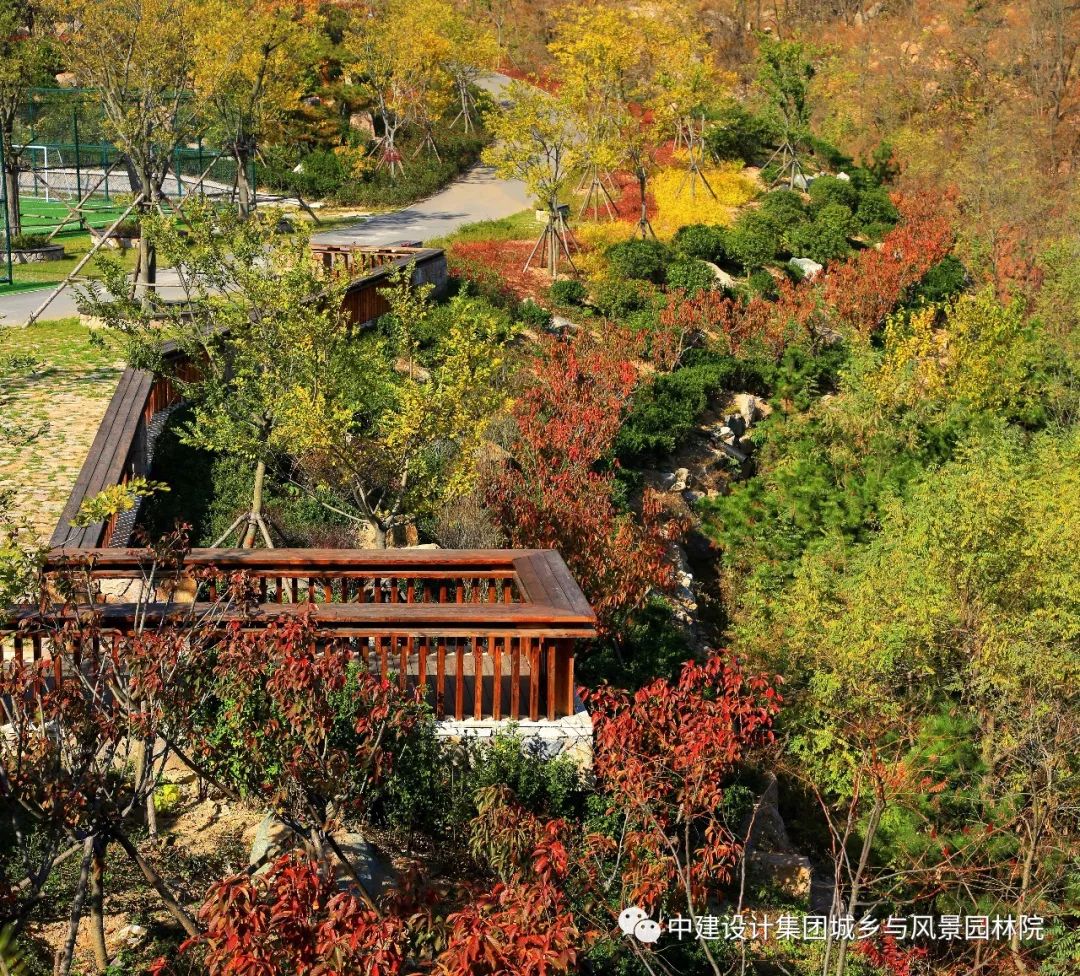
(791, 873)
(372, 867)
(682, 479)
(363, 122)
(802, 181)
(736, 425)
(723, 279)
(751, 408)
(131, 935)
(843, 177)
(770, 854)
(810, 269)
(272, 839)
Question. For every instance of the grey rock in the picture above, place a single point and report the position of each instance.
(751, 408)
(736, 424)
(675, 480)
(272, 839)
(723, 279)
(843, 177)
(810, 269)
(371, 865)
(131, 935)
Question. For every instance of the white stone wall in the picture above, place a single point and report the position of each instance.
(571, 736)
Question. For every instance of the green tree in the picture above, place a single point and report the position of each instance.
(536, 141)
(249, 62)
(139, 55)
(962, 606)
(26, 53)
(784, 72)
(408, 433)
(264, 326)
(400, 59)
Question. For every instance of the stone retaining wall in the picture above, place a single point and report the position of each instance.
(571, 736)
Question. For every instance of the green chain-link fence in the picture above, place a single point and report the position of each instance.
(69, 174)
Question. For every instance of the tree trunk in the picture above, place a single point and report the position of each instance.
(147, 266)
(252, 529)
(245, 200)
(63, 961)
(97, 904)
(856, 882)
(11, 195)
(171, 904)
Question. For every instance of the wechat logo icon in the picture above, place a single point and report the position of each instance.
(633, 921)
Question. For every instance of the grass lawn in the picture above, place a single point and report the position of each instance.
(40, 216)
(76, 245)
(521, 226)
(63, 395)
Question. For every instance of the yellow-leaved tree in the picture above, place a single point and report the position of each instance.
(139, 55)
(687, 83)
(975, 351)
(472, 48)
(598, 51)
(536, 141)
(400, 61)
(407, 436)
(249, 61)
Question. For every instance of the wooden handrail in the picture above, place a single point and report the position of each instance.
(488, 633)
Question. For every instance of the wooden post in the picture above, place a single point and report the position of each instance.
(515, 678)
(82, 264)
(459, 681)
(440, 677)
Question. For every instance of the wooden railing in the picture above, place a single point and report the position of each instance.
(485, 634)
(120, 448)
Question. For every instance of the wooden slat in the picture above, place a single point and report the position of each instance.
(421, 668)
(534, 678)
(478, 680)
(440, 677)
(515, 677)
(550, 667)
(459, 680)
(497, 644)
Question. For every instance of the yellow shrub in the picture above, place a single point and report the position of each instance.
(677, 205)
(597, 234)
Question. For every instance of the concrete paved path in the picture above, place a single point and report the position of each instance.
(477, 195)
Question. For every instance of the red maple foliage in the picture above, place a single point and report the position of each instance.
(523, 926)
(888, 956)
(662, 754)
(555, 496)
(862, 291)
(498, 268)
(293, 921)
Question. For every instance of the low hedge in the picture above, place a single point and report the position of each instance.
(325, 176)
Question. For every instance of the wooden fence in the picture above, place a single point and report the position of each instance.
(484, 633)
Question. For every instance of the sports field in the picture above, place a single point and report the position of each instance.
(41, 216)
